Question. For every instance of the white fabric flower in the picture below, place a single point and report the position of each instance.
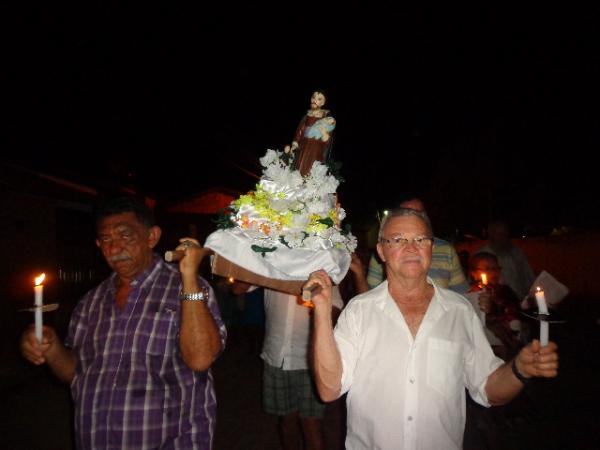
(294, 240)
(300, 221)
(270, 157)
(317, 207)
(279, 205)
(318, 171)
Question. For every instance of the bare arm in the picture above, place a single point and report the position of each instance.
(59, 358)
(327, 359)
(532, 361)
(199, 338)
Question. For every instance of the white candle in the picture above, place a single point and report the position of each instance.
(38, 290)
(541, 301)
(484, 282)
(542, 309)
(544, 332)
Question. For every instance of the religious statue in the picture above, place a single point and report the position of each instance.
(314, 136)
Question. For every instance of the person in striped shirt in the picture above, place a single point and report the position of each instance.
(140, 345)
(445, 267)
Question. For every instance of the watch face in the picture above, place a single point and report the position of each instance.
(195, 296)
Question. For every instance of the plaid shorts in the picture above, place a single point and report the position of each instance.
(288, 391)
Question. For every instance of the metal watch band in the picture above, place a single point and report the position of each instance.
(200, 296)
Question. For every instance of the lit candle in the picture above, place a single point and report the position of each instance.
(542, 310)
(484, 279)
(484, 282)
(38, 290)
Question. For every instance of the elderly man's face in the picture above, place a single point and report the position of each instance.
(126, 243)
(410, 261)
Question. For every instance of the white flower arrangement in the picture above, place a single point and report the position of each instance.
(289, 210)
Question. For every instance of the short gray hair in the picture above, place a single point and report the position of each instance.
(404, 212)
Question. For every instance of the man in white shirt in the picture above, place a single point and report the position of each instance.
(406, 350)
(288, 386)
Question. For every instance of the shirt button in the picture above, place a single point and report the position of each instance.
(409, 418)
(412, 380)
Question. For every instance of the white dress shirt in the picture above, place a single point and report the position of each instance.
(287, 329)
(406, 393)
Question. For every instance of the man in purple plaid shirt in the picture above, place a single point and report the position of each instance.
(140, 345)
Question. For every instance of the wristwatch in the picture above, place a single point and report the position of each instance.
(201, 296)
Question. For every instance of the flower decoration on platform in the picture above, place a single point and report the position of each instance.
(289, 210)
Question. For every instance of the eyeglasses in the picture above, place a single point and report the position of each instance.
(401, 242)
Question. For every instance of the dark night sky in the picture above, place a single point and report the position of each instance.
(482, 112)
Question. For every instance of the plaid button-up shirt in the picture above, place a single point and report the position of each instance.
(131, 388)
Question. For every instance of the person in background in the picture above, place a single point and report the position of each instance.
(504, 331)
(289, 390)
(516, 271)
(500, 304)
(140, 345)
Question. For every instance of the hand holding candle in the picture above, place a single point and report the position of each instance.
(542, 311)
(38, 290)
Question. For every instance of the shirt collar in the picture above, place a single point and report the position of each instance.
(436, 309)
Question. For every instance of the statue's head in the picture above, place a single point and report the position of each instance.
(318, 99)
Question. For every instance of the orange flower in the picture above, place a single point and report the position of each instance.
(264, 228)
(245, 221)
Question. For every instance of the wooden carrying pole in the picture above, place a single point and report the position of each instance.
(174, 255)
(225, 268)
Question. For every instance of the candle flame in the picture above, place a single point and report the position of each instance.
(40, 279)
(538, 289)
(484, 279)
(306, 303)
(230, 280)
